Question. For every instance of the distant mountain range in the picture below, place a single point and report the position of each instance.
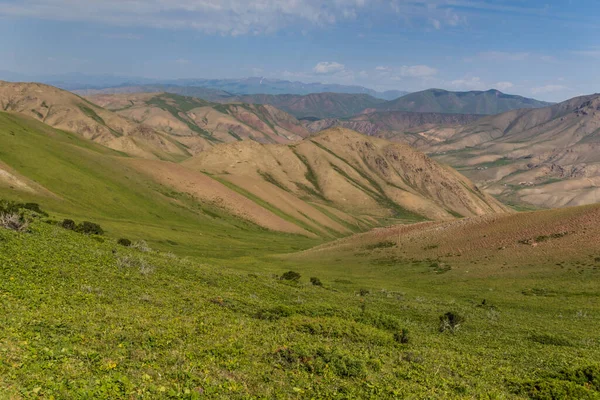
(316, 106)
(473, 102)
(243, 86)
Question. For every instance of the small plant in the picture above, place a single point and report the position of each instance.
(124, 242)
(291, 276)
(402, 337)
(14, 222)
(69, 224)
(363, 292)
(142, 246)
(316, 281)
(450, 321)
(89, 228)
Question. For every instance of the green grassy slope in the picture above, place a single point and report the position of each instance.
(87, 318)
(90, 182)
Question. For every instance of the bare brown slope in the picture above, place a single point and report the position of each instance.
(393, 125)
(199, 124)
(509, 243)
(207, 190)
(545, 157)
(64, 110)
(363, 176)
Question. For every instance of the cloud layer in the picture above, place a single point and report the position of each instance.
(228, 17)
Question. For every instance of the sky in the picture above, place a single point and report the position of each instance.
(547, 49)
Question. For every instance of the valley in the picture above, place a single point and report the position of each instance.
(298, 245)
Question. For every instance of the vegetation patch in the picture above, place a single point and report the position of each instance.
(550, 339)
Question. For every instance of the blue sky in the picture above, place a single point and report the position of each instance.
(544, 49)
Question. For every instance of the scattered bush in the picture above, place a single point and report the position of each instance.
(135, 263)
(291, 276)
(35, 207)
(69, 224)
(402, 337)
(581, 383)
(316, 281)
(14, 222)
(320, 360)
(546, 338)
(450, 321)
(363, 292)
(274, 313)
(380, 245)
(89, 228)
(124, 242)
(142, 246)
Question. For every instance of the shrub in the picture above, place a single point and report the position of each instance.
(402, 337)
(69, 224)
(291, 276)
(364, 292)
(89, 228)
(124, 242)
(450, 321)
(35, 207)
(274, 313)
(316, 281)
(14, 222)
(135, 263)
(142, 246)
(546, 338)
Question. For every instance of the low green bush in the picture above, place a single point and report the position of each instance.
(291, 276)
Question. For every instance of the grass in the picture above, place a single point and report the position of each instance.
(204, 314)
(162, 326)
(91, 182)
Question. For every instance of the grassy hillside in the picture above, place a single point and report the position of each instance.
(161, 326)
(78, 178)
(474, 102)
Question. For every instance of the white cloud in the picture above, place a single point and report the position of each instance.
(228, 17)
(503, 86)
(328, 68)
(417, 71)
(503, 56)
(548, 89)
(474, 83)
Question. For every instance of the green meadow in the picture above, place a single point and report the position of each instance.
(204, 310)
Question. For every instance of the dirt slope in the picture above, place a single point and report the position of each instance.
(66, 111)
(199, 124)
(473, 245)
(363, 176)
(546, 157)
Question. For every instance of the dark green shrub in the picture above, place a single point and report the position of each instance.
(124, 242)
(450, 321)
(364, 292)
(89, 228)
(291, 276)
(402, 337)
(553, 340)
(316, 281)
(69, 224)
(274, 313)
(35, 207)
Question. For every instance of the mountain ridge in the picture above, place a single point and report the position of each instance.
(471, 102)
